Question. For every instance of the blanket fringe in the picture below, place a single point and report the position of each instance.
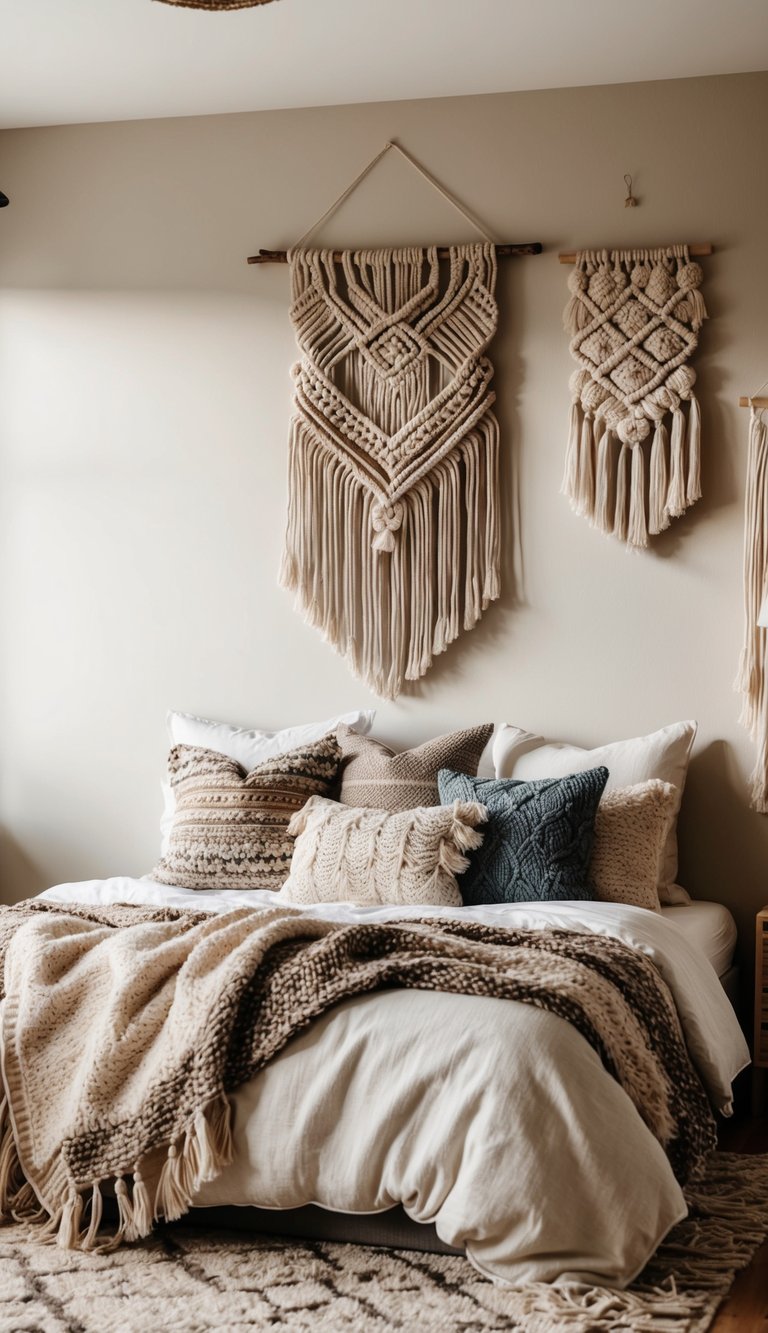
(192, 1159)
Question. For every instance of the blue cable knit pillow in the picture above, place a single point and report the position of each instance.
(537, 844)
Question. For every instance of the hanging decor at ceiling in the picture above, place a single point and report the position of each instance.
(392, 540)
(215, 4)
(634, 318)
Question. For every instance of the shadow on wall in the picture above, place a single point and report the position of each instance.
(20, 877)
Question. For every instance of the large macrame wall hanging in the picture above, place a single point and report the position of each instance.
(632, 463)
(392, 541)
(751, 681)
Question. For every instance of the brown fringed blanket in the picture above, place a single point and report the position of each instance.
(124, 1029)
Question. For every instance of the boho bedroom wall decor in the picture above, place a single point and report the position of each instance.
(634, 318)
(392, 542)
(751, 681)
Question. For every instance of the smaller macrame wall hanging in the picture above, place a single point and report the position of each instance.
(392, 544)
(634, 316)
(751, 681)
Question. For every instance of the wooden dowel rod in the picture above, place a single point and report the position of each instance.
(443, 252)
(753, 402)
(699, 250)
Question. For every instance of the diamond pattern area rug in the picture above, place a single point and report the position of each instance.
(192, 1281)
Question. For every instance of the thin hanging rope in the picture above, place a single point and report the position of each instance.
(451, 199)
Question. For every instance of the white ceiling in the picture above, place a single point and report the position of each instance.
(65, 61)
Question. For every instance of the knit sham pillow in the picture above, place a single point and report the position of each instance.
(364, 856)
(630, 837)
(537, 844)
(375, 777)
(230, 828)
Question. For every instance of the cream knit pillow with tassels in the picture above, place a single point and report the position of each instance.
(345, 854)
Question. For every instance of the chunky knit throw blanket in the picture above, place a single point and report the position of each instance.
(392, 542)
(634, 318)
(123, 1030)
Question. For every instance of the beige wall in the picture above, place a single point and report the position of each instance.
(144, 401)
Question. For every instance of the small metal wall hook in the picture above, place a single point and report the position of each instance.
(630, 201)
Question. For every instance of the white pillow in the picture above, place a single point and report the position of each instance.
(247, 746)
(662, 754)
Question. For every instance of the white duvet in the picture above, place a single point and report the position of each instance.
(492, 1119)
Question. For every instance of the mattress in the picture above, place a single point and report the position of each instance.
(710, 927)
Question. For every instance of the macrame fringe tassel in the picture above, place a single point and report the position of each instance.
(619, 494)
(390, 605)
(693, 484)
(620, 523)
(751, 680)
(637, 531)
(675, 505)
(604, 481)
(570, 486)
(580, 463)
(658, 519)
(586, 473)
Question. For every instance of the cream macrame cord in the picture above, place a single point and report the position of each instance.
(634, 318)
(392, 541)
(751, 680)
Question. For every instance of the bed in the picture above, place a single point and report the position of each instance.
(384, 1108)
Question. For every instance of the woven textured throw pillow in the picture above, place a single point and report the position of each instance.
(630, 837)
(230, 828)
(375, 777)
(537, 844)
(344, 854)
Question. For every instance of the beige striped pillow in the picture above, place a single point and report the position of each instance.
(230, 828)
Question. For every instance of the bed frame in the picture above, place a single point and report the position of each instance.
(393, 1229)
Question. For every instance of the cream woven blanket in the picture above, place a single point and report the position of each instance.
(124, 1029)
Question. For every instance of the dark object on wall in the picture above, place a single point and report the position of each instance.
(215, 4)
(4, 200)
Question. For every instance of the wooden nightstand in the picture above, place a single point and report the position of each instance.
(760, 1046)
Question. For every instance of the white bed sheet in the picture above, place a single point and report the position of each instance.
(710, 927)
(493, 1120)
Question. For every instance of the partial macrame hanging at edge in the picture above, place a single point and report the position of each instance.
(751, 681)
(633, 456)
